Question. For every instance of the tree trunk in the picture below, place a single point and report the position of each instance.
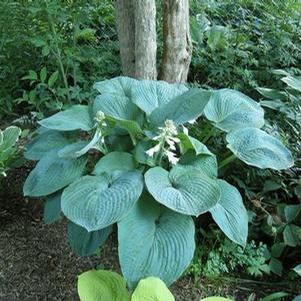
(136, 25)
(145, 39)
(176, 40)
(126, 35)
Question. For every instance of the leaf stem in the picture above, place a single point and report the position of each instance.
(227, 161)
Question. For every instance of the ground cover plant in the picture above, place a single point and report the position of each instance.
(129, 159)
(8, 150)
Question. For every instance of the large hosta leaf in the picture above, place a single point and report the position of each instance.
(152, 289)
(181, 109)
(75, 118)
(73, 150)
(230, 213)
(85, 243)
(45, 142)
(257, 148)
(154, 241)
(121, 85)
(52, 208)
(95, 202)
(52, 174)
(115, 161)
(184, 189)
(230, 110)
(206, 163)
(150, 94)
(100, 285)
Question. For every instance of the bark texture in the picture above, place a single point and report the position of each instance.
(145, 39)
(126, 35)
(176, 40)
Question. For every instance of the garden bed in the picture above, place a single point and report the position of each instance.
(36, 262)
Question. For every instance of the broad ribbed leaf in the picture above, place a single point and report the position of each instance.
(255, 147)
(85, 243)
(206, 163)
(190, 143)
(181, 109)
(95, 202)
(72, 150)
(52, 174)
(121, 85)
(185, 189)
(154, 241)
(149, 94)
(115, 161)
(292, 235)
(75, 118)
(230, 213)
(49, 140)
(52, 208)
(152, 289)
(230, 110)
(100, 285)
(9, 137)
(141, 155)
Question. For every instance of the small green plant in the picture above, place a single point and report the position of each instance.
(145, 172)
(222, 256)
(8, 151)
(109, 286)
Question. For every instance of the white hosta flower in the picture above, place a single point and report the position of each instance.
(100, 118)
(172, 157)
(153, 150)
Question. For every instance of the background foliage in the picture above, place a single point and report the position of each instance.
(51, 53)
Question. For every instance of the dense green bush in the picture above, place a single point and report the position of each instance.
(237, 43)
(76, 39)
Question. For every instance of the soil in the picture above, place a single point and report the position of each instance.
(36, 262)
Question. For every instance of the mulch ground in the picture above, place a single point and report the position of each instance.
(36, 262)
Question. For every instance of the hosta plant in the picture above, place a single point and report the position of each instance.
(129, 159)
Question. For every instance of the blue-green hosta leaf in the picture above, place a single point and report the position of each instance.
(96, 202)
(100, 285)
(131, 126)
(9, 137)
(154, 241)
(52, 174)
(190, 143)
(114, 161)
(184, 189)
(256, 147)
(72, 150)
(75, 118)
(52, 208)
(121, 85)
(291, 212)
(85, 243)
(183, 108)
(152, 289)
(141, 155)
(297, 269)
(272, 93)
(230, 213)
(45, 142)
(149, 94)
(206, 163)
(230, 110)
